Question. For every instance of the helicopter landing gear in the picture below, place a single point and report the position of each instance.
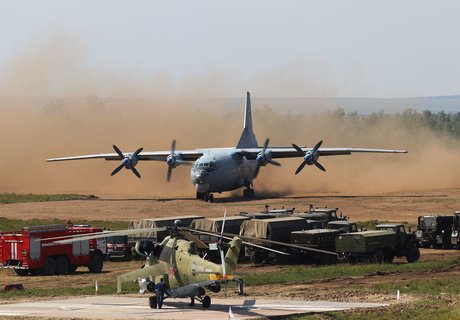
(248, 193)
(201, 296)
(206, 302)
(153, 303)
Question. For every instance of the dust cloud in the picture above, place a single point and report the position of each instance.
(53, 104)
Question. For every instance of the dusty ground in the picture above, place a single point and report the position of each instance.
(395, 207)
(391, 207)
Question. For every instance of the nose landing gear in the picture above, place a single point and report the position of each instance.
(206, 196)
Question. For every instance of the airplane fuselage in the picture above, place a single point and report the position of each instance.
(220, 170)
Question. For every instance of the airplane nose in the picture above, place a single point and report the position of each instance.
(200, 176)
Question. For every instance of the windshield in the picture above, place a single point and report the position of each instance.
(429, 222)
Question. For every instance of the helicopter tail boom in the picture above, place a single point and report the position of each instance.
(231, 258)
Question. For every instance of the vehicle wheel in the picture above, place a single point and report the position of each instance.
(128, 256)
(389, 257)
(413, 255)
(206, 197)
(62, 265)
(378, 256)
(206, 302)
(49, 268)
(211, 197)
(201, 291)
(425, 244)
(72, 269)
(95, 263)
(256, 257)
(153, 302)
(21, 272)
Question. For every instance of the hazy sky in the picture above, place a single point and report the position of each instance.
(273, 48)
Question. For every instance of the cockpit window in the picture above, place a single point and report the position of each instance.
(206, 164)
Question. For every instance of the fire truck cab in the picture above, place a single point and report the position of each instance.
(33, 250)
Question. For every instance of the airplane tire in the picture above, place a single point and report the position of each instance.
(211, 197)
(248, 193)
(206, 197)
(206, 302)
(153, 302)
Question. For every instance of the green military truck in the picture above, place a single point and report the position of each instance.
(323, 239)
(381, 245)
(275, 229)
(434, 231)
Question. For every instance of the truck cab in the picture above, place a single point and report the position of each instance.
(435, 231)
(405, 240)
(344, 226)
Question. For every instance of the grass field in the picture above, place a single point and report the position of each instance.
(19, 198)
(303, 274)
(16, 224)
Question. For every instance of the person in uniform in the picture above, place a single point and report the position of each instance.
(160, 288)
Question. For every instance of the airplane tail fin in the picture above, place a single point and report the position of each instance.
(248, 138)
(231, 258)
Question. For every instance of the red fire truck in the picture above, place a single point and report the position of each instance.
(28, 250)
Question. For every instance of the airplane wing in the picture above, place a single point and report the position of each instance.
(291, 152)
(186, 155)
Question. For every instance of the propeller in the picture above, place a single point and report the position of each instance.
(310, 157)
(264, 157)
(128, 161)
(173, 160)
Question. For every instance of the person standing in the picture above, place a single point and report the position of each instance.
(160, 288)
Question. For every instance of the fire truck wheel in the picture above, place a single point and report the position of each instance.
(95, 263)
(73, 269)
(62, 265)
(49, 268)
(21, 272)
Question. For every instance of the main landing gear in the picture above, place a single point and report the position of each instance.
(248, 193)
(206, 196)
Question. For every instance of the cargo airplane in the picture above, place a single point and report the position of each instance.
(226, 169)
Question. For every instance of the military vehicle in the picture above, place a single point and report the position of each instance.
(434, 231)
(455, 237)
(274, 229)
(380, 245)
(321, 239)
(161, 224)
(321, 214)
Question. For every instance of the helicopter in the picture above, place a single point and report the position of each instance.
(176, 260)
